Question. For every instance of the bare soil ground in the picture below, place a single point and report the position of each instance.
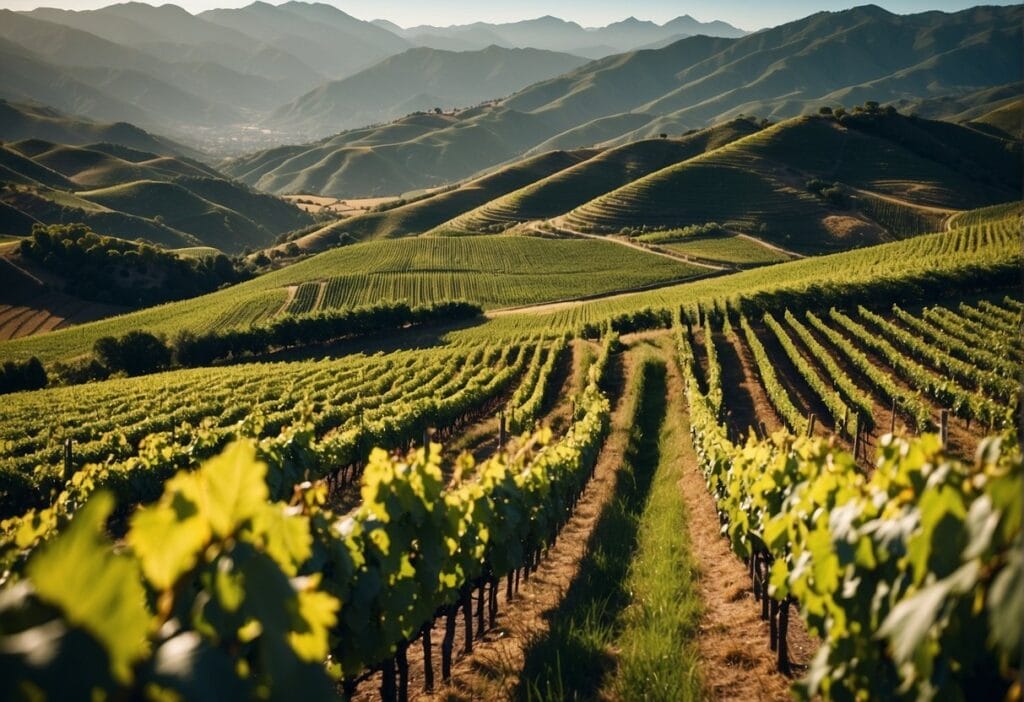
(33, 306)
(734, 642)
(748, 405)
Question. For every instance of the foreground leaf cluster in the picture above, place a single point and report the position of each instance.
(220, 591)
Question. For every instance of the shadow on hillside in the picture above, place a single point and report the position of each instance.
(409, 339)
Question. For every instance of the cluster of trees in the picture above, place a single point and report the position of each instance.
(660, 236)
(829, 192)
(117, 271)
(870, 107)
(24, 375)
(140, 352)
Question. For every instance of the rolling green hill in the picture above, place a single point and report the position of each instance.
(124, 192)
(829, 58)
(415, 80)
(425, 214)
(611, 169)
(100, 165)
(817, 184)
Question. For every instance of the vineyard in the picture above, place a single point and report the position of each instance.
(801, 477)
(492, 271)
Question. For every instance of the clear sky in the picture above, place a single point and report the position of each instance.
(747, 14)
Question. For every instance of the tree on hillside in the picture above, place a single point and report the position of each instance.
(134, 353)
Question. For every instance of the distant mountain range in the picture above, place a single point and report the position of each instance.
(213, 78)
(557, 34)
(417, 80)
(829, 58)
(20, 121)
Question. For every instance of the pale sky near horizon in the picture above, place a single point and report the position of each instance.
(747, 14)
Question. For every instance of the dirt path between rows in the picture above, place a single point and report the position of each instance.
(734, 642)
(745, 399)
(736, 659)
(321, 292)
(492, 671)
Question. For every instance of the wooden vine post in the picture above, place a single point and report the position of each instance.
(856, 440)
(68, 458)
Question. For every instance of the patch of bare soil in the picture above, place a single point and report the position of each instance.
(746, 403)
(846, 227)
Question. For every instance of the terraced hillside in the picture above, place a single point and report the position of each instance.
(979, 245)
(424, 214)
(125, 192)
(817, 184)
(611, 169)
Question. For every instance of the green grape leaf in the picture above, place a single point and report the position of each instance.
(286, 537)
(95, 588)
(909, 621)
(234, 486)
(318, 612)
(169, 536)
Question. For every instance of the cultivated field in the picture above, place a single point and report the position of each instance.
(753, 401)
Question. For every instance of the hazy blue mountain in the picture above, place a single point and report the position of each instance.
(322, 36)
(556, 34)
(19, 121)
(419, 79)
(170, 33)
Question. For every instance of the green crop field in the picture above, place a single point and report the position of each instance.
(728, 248)
(992, 242)
(690, 369)
(494, 271)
